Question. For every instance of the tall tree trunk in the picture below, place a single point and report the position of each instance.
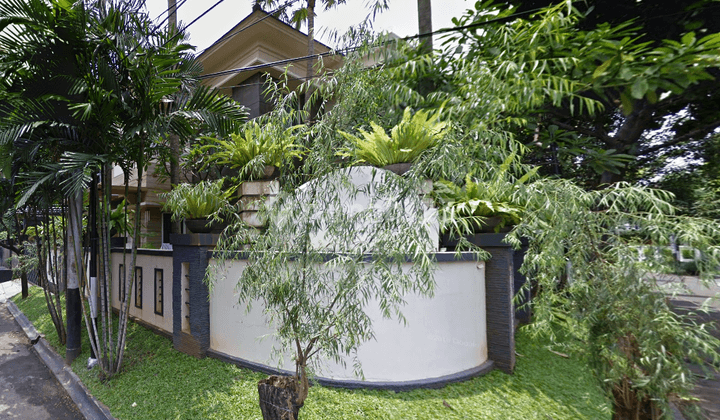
(24, 284)
(74, 270)
(424, 7)
(174, 138)
(172, 14)
(425, 25)
(310, 73)
(310, 70)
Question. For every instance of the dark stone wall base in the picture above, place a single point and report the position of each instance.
(430, 383)
(187, 344)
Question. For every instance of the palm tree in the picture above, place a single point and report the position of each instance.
(425, 24)
(85, 94)
(306, 14)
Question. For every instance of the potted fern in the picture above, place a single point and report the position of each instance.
(201, 205)
(468, 209)
(120, 222)
(256, 153)
(488, 204)
(396, 152)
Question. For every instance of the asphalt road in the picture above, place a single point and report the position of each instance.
(27, 388)
(690, 294)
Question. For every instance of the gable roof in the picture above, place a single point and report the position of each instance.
(260, 38)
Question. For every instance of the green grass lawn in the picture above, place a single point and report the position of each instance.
(165, 384)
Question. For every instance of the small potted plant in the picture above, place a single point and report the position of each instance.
(398, 151)
(257, 155)
(468, 209)
(120, 222)
(201, 205)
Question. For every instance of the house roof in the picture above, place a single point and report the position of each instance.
(260, 38)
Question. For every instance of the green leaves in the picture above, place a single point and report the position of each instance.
(583, 260)
(256, 147)
(464, 210)
(407, 141)
(204, 199)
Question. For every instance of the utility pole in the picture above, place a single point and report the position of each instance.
(172, 14)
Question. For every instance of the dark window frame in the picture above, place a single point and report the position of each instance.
(159, 291)
(138, 287)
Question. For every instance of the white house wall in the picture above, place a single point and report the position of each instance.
(147, 313)
(445, 334)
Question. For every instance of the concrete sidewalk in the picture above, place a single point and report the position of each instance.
(8, 290)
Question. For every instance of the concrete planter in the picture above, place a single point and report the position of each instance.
(251, 196)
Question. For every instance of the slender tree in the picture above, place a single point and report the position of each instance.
(108, 69)
(424, 8)
(306, 15)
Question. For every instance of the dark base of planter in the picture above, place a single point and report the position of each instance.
(398, 168)
(278, 398)
(204, 226)
(118, 242)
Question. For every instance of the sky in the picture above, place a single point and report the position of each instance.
(401, 18)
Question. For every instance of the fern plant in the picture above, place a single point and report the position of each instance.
(120, 219)
(407, 140)
(202, 200)
(253, 149)
(464, 209)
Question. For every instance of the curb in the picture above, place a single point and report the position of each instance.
(89, 407)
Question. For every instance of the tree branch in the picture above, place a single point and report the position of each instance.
(588, 132)
(704, 130)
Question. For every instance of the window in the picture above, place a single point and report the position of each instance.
(159, 291)
(121, 283)
(138, 287)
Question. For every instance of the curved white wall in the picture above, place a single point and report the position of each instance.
(445, 334)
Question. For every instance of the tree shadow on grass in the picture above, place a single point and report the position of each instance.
(544, 385)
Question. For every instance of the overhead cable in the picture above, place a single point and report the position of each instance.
(268, 14)
(351, 49)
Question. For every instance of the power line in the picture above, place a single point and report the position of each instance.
(203, 14)
(350, 49)
(191, 23)
(159, 25)
(262, 66)
(317, 76)
(167, 13)
(230, 35)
